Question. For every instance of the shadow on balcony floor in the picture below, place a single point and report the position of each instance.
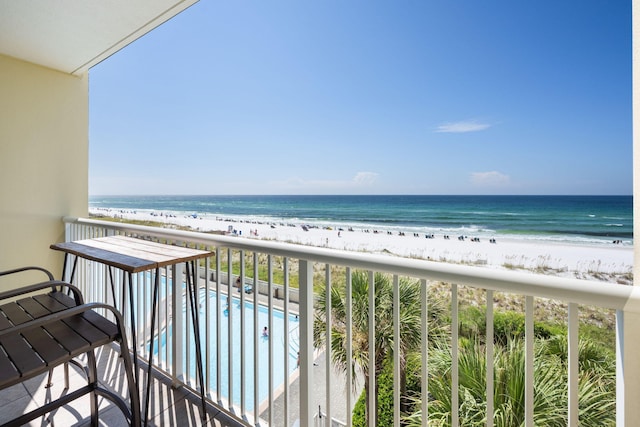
(168, 406)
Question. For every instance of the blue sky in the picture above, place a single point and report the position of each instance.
(369, 97)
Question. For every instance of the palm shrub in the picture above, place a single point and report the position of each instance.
(596, 388)
(592, 356)
(385, 393)
(506, 325)
(410, 326)
(384, 399)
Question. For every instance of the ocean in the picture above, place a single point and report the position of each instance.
(569, 219)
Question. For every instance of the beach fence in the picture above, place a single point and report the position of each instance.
(276, 290)
(243, 403)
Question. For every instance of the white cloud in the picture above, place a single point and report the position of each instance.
(490, 179)
(462, 127)
(365, 178)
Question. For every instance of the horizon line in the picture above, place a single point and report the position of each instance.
(360, 195)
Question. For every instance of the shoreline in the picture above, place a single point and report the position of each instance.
(567, 259)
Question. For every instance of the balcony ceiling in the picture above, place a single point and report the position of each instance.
(73, 35)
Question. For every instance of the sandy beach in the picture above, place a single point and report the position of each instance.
(573, 260)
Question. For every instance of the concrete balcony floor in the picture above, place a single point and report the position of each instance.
(168, 406)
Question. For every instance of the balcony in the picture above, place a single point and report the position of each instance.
(170, 406)
(45, 87)
(259, 380)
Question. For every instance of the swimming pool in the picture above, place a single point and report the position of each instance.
(276, 335)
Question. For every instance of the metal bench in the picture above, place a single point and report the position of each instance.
(46, 325)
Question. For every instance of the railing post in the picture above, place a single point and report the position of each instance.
(396, 351)
(306, 342)
(349, 326)
(573, 365)
(373, 398)
(327, 354)
(627, 368)
(67, 231)
(424, 345)
(489, 358)
(528, 362)
(455, 367)
(178, 322)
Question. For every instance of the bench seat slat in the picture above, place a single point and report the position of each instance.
(33, 308)
(87, 330)
(4, 323)
(68, 338)
(8, 372)
(22, 356)
(15, 314)
(47, 348)
(55, 301)
(106, 326)
(65, 340)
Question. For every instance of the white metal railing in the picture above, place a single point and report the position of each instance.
(234, 373)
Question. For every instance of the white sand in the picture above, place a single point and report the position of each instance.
(564, 259)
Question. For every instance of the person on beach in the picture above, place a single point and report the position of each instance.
(265, 332)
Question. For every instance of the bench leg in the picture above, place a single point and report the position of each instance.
(134, 395)
(50, 380)
(66, 377)
(92, 374)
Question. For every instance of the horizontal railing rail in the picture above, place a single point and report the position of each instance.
(575, 290)
(235, 376)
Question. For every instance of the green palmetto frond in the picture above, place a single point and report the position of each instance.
(596, 389)
(410, 321)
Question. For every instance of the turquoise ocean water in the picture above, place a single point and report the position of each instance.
(576, 219)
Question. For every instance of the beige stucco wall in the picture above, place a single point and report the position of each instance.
(43, 161)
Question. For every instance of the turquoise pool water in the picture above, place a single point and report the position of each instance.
(276, 334)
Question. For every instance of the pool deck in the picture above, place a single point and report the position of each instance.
(338, 392)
